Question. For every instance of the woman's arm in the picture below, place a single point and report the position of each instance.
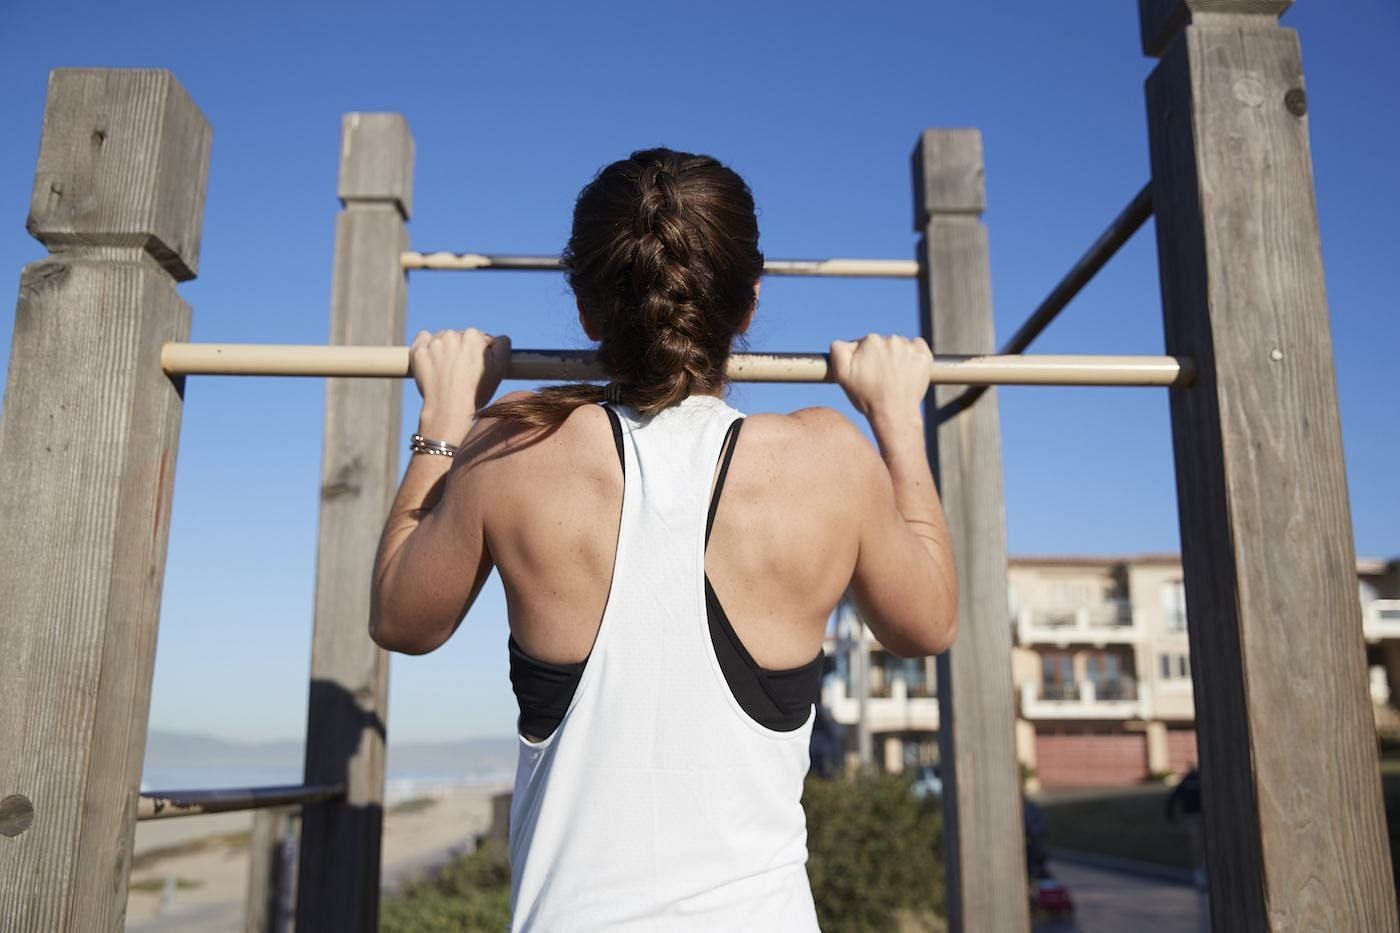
(421, 588)
(905, 582)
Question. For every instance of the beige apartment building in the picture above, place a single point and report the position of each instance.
(1100, 665)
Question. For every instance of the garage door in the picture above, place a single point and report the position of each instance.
(1089, 759)
(1181, 749)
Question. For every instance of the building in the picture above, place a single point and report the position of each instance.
(1101, 667)
(900, 704)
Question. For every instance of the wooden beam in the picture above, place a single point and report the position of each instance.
(1163, 20)
(338, 881)
(87, 452)
(1294, 824)
(260, 896)
(983, 840)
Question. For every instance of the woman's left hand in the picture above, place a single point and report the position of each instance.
(457, 372)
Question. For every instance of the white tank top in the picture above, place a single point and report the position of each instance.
(658, 803)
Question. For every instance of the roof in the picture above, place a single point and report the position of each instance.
(1364, 565)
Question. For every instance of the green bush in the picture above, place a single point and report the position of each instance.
(874, 855)
(874, 861)
(471, 892)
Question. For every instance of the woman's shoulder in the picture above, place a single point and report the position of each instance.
(501, 443)
(814, 446)
(819, 429)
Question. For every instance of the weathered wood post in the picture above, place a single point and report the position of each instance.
(87, 452)
(1294, 824)
(984, 847)
(338, 880)
(265, 869)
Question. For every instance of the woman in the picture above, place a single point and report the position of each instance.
(665, 642)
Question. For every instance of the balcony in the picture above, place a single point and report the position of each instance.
(1087, 699)
(1380, 619)
(1107, 623)
(897, 712)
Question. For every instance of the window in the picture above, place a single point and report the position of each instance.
(1102, 667)
(1174, 605)
(1175, 666)
(1057, 676)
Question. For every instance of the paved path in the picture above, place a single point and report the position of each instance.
(1112, 902)
(216, 917)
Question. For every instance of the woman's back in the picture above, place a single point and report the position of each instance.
(783, 545)
(657, 799)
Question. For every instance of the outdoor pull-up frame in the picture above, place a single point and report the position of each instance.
(1293, 813)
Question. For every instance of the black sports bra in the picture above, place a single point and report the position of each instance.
(779, 700)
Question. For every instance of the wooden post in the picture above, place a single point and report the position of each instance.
(1294, 826)
(264, 869)
(338, 886)
(87, 452)
(986, 859)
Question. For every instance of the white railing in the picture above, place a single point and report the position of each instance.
(1380, 618)
(1111, 622)
(897, 712)
(1082, 700)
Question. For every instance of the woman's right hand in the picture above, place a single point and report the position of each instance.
(882, 373)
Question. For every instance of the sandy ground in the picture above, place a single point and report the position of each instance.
(209, 879)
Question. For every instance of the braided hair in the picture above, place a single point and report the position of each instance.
(662, 258)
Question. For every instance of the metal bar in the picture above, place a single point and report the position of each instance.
(163, 804)
(573, 365)
(1128, 222)
(837, 268)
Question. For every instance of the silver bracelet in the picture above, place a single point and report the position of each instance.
(426, 445)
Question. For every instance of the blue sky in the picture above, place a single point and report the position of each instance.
(514, 106)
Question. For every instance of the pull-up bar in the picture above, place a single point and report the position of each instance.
(833, 268)
(233, 359)
(1122, 228)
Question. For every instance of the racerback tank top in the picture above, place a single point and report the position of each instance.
(658, 803)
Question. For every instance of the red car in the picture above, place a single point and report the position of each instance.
(1050, 899)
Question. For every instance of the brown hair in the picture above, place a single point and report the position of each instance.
(662, 258)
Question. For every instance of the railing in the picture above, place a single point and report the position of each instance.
(898, 710)
(1101, 623)
(1059, 692)
(1117, 688)
(163, 804)
(1380, 618)
(1109, 698)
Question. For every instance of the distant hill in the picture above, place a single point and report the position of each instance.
(188, 752)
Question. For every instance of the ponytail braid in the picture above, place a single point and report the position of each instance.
(662, 258)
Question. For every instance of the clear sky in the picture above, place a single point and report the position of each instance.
(515, 106)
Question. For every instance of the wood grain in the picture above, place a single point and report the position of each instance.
(87, 449)
(985, 852)
(376, 161)
(1163, 20)
(122, 162)
(338, 879)
(948, 175)
(264, 866)
(1295, 829)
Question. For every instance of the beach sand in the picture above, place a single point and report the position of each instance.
(207, 856)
